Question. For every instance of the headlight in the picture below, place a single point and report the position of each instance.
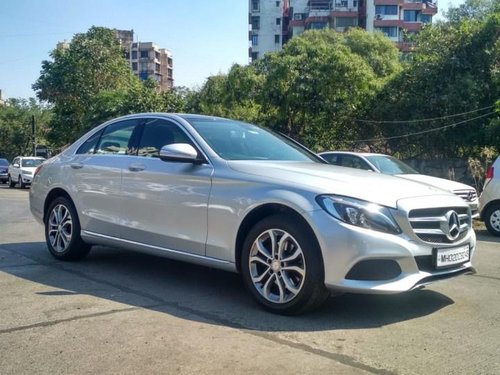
(359, 213)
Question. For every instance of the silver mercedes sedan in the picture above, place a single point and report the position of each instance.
(236, 196)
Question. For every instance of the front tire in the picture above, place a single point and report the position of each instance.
(62, 231)
(282, 267)
(22, 185)
(492, 219)
(11, 183)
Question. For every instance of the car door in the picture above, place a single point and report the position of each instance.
(165, 203)
(15, 169)
(94, 176)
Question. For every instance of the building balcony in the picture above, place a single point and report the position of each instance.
(430, 9)
(412, 26)
(309, 20)
(344, 14)
(387, 23)
(412, 6)
(389, 2)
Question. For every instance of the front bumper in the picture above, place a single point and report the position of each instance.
(399, 262)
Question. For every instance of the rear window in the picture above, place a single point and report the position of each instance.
(31, 162)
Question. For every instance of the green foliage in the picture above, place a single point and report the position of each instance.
(75, 76)
(454, 69)
(15, 126)
(311, 90)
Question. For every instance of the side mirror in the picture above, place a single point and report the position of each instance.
(180, 152)
(15, 165)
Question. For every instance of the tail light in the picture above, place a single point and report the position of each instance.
(37, 170)
(490, 173)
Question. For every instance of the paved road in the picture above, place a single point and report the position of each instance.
(128, 313)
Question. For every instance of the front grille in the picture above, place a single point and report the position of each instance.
(435, 225)
(467, 195)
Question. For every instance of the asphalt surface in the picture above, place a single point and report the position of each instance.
(128, 313)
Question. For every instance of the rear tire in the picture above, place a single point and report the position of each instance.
(492, 219)
(282, 267)
(62, 231)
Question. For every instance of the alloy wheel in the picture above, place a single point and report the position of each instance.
(495, 220)
(60, 228)
(277, 266)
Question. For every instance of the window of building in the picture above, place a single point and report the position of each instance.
(276, 38)
(255, 5)
(346, 21)
(144, 54)
(390, 10)
(127, 55)
(169, 61)
(255, 56)
(157, 67)
(411, 15)
(343, 4)
(134, 66)
(278, 21)
(255, 40)
(354, 3)
(278, 3)
(317, 25)
(134, 55)
(157, 55)
(255, 22)
(390, 31)
(298, 16)
(158, 133)
(426, 18)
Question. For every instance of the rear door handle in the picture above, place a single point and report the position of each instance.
(76, 165)
(136, 167)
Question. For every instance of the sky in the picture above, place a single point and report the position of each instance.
(206, 37)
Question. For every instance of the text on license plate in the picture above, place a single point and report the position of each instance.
(450, 257)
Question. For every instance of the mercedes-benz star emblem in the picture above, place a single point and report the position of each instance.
(453, 225)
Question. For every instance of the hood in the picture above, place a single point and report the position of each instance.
(329, 179)
(440, 183)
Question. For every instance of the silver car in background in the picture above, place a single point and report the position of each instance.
(390, 165)
(238, 197)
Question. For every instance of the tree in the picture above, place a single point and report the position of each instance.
(454, 70)
(15, 126)
(320, 81)
(93, 64)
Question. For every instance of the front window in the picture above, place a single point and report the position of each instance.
(31, 162)
(234, 140)
(389, 165)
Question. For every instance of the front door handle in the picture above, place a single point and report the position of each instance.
(136, 167)
(76, 165)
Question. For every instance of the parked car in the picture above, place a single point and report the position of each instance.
(4, 171)
(489, 201)
(390, 165)
(21, 170)
(234, 196)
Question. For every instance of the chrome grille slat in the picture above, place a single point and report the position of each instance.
(431, 225)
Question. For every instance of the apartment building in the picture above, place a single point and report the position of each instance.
(147, 59)
(273, 23)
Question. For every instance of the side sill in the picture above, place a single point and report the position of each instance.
(101, 239)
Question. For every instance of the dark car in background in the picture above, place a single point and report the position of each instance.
(4, 171)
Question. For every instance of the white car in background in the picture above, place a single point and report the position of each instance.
(21, 170)
(490, 199)
(389, 165)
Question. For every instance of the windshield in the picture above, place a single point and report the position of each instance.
(31, 162)
(234, 140)
(4, 162)
(389, 165)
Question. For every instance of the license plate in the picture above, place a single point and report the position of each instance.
(451, 256)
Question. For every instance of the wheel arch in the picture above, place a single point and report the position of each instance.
(53, 194)
(495, 202)
(261, 212)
